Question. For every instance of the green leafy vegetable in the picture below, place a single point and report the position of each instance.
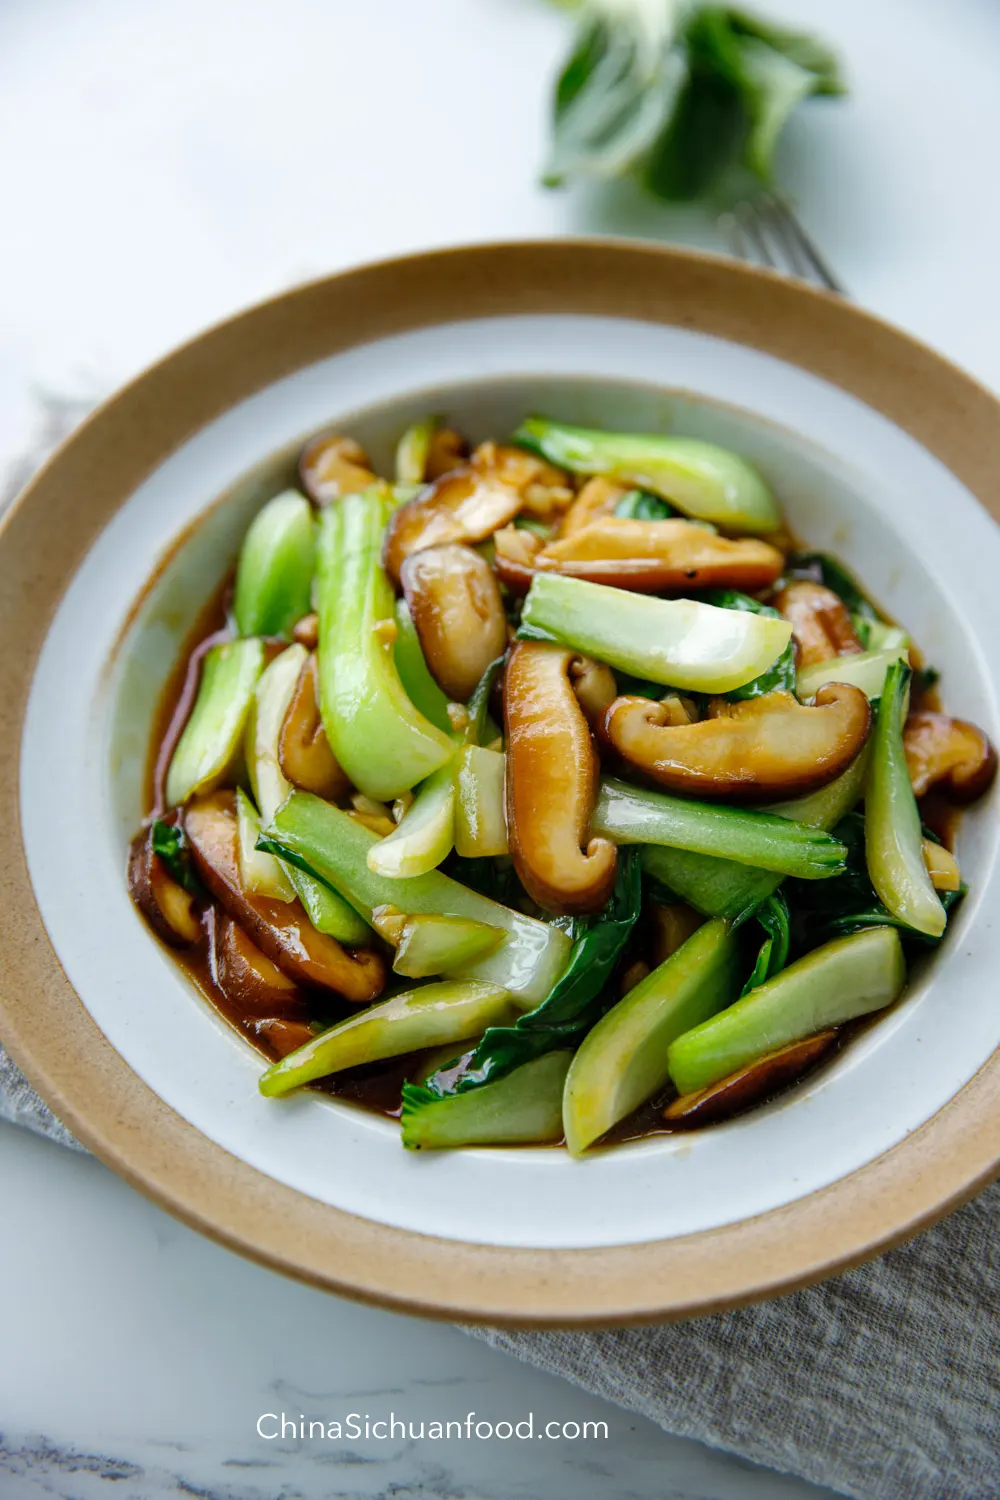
(779, 676)
(477, 731)
(838, 982)
(773, 916)
(171, 844)
(638, 815)
(848, 903)
(522, 1107)
(577, 999)
(684, 97)
(893, 840)
(622, 1062)
(640, 505)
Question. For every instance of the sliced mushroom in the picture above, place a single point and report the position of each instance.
(551, 487)
(594, 685)
(332, 466)
(304, 752)
(458, 613)
(247, 977)
(375, 816)
(552, 772)
(597, 498)
(465, 505)
(447, 450)
(650, 557)
(950, 754)
(545, 490)
(750, 1084)
(672, 926)
(306, 632)
(821, 623)
(280, 928)
(281, 1036)
(942, 866)
(636, 972)
(166, 905)
(764, 747)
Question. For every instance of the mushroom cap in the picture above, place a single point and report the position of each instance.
(758, 749)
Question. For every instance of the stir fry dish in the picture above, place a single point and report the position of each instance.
(548, 791)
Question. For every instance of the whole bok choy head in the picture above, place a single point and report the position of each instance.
(686, 98)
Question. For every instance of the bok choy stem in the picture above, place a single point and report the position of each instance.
(384, 743)
(322, 839)
(523, 1107)
(636, 815)
(893, 837)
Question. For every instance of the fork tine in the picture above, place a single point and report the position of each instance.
(751, 226)
(765, 231)
(799, 245)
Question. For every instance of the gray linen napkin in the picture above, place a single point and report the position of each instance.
(884, 1383)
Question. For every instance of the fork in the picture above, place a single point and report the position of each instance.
(764, 231)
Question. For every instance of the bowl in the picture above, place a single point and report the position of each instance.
(880, 452)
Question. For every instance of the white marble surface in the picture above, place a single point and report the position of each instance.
(161, 164)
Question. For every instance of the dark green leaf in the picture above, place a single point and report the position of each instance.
(529, 632)
(700, 141)
(773, 916)
(588, 50)
(640, 505)
(780, 676)
(578, 999)
(798, 46)
(675, 94)
(479, 703)
(826, 909)
(770, 69)
(638, 687)
(170, 843)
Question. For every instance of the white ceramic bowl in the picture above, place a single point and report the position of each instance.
(851, 482)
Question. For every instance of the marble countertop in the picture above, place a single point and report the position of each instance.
(161, 165)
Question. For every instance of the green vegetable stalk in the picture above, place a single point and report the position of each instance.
(425, 835)
(700, 479)
(433, 944)
(327, 911)
(414, 673)
(321, 839)
(723, 888)
(865, 670)
(209, 747)
(275, 571)
(622, 1062)
(575, 1001)
(384, 743)
(635, 815)
(893, 837)
(425, 1017)
(849, 977)
(260, 874)
(679, 643)
(412, 451)
(522, 1108)
(480, 819)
